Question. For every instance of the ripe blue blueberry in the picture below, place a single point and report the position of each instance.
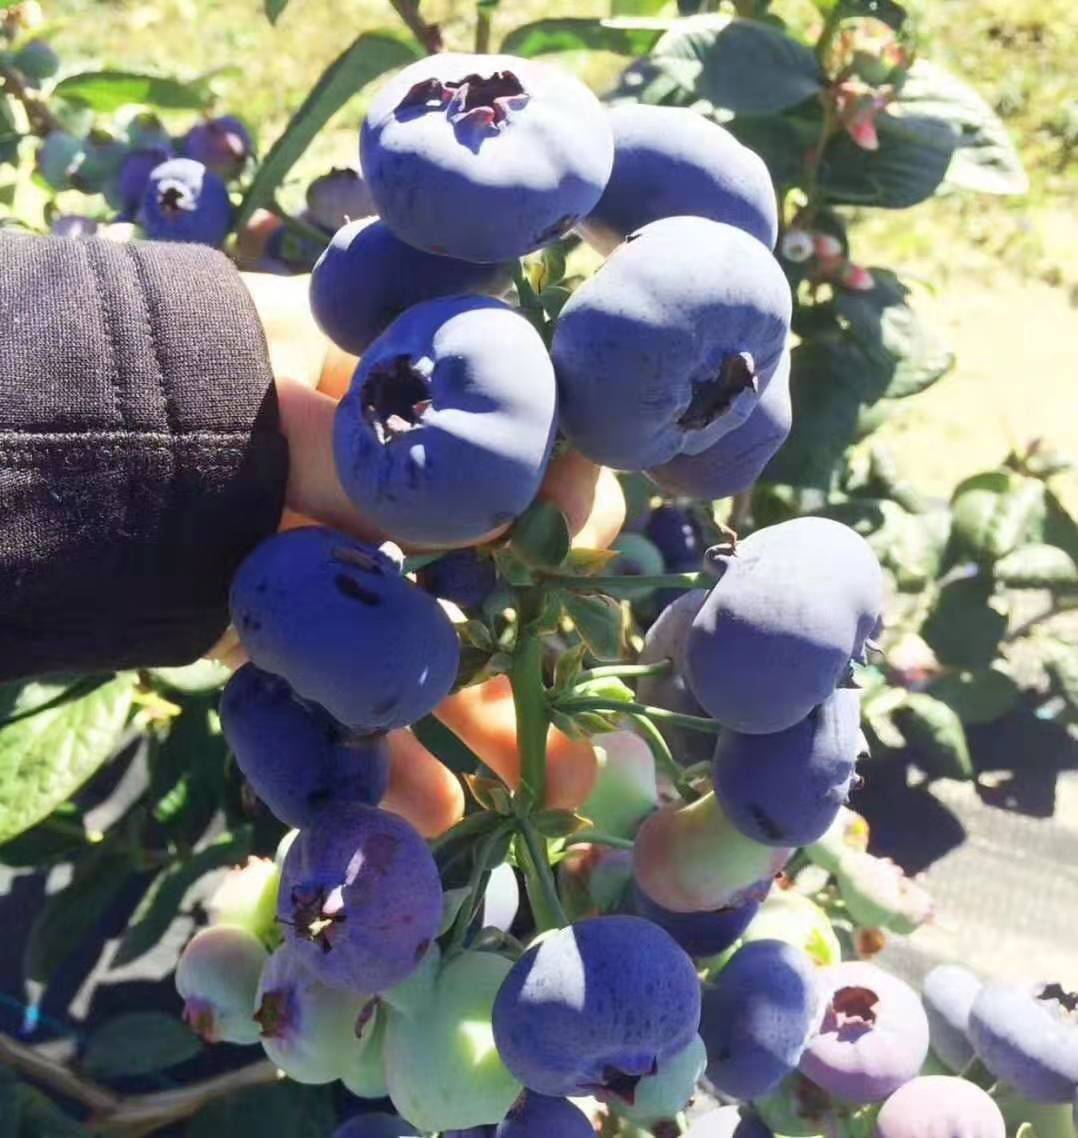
(666, 640)
(674, 162)
(758, 1016)
(338, 197)
(484, 157)
(735, 462)
(185, 201)
(320, 609)
(222, 144)
(699, 934)
(462, 576)
(446, 430)
(677, 537)
(873, 1037)
(940, 1106)
(367, 277)
(668, 347)
(360, 899)
(1028, 1037)
(539, 1116)
(297, 758)
(794, 606)
(134, 176)
(786, 788)
(593, 1008)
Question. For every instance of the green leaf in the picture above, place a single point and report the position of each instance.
(600, 622)
(20, 700)
(977, 697)
(996, 512)
(620, 36)
(59, 837)
(911, 162)
(187, 769)
(890, 332)
(446, 745)
(963, 629)
(744, 66)
(40, 1117)
(541, 535)
(107, 91)
(274, 8)
(637, 7)
(935, 734)
(139, 1043)
(70, 915)
(278, 1110)
(825, 388)
(371, 55)
(985, 159)
(201, 676)
(780, 140)
(1037, 566)
(46, 758)
(162, 901)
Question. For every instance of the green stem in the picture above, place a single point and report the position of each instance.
(598, 838)
(660, 668)
(476, 884)
(572, 704)
(529, 699)
(529, 299)
(631, 584)
(664, 760)
(542, 890)
(482, 27)
(300, 228)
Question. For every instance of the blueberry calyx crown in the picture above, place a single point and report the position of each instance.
(200, 1018)
(395, 397)
(854, 1006)
(711, 397)
(478, 100)
(313, 917)
(274, 1013)
(1055, 993)
(174, 198)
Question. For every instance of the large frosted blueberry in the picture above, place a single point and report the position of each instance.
(795, 604)
(735, 462)
(297, 757)
(360, 899)
(366, 277)
(668, 347)
(593, 1008)
(674, 162)
(758, 1016)
(322, 610)
(484, 157)
(185, 201)
(446, 430)
(873, 1036)
(786, 788)
(940, 1106)
(1028, 1037)
(948, 993)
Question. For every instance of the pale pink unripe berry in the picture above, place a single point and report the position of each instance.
(217, 976)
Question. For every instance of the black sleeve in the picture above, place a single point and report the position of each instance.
(140, 456)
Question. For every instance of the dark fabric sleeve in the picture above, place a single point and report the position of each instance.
(140, 456)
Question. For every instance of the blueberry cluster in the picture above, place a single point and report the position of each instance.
(656, 955)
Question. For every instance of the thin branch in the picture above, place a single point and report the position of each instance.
(27, 1061)
(42, 121)
(429, 35)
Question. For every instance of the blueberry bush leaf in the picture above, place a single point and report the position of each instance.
(139, 1043)
(599, 621)
(107, 91)
(282, 1110)
(623, 37)
(985, 159)
(980, 696)
(541, 536)
(46, 757)
(934, 733)
(1037, 566)
(369, 56)
(274, 8)
(997, 511)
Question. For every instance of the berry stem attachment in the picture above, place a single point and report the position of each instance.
(575, 704)
(533, 857)
(664, 760)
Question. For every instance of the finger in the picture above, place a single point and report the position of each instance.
(314, 489)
